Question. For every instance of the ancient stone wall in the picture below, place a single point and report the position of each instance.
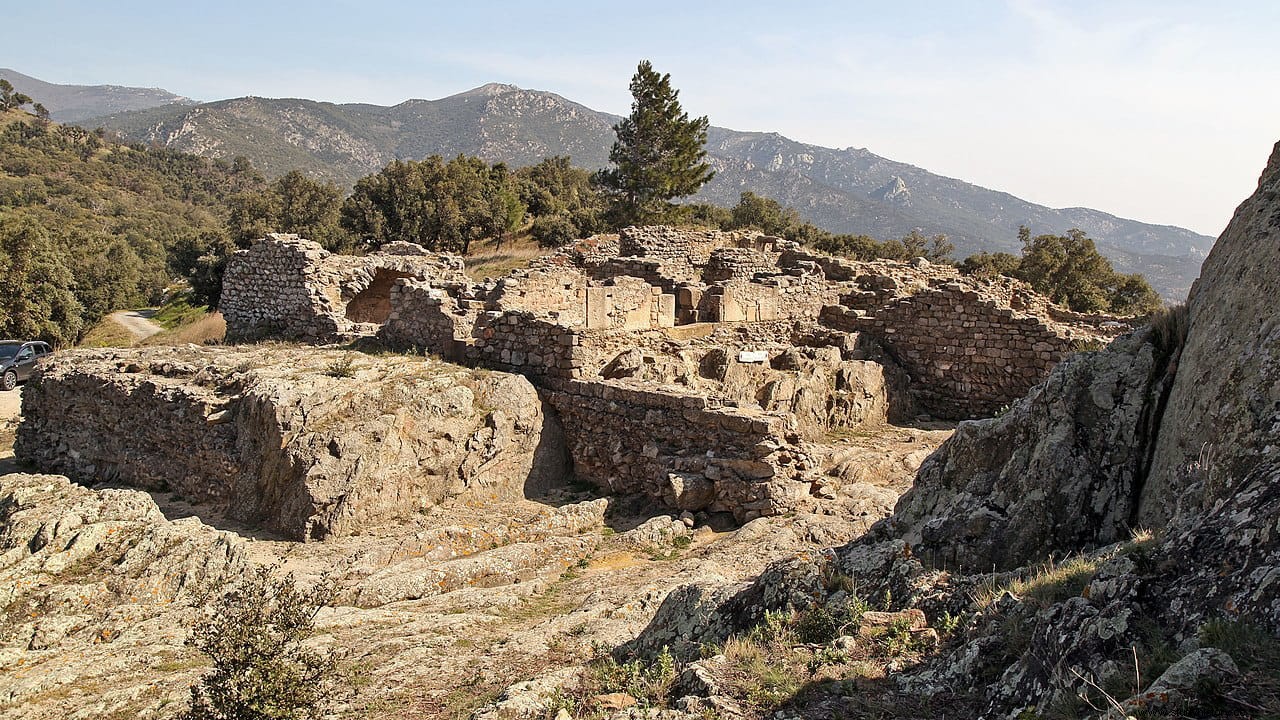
(286, 287)
(92, 428)
(740, 264)
(428, 318)
(521, 342)
(967, 355)
(277, 288)
(557, 294)
(672, 445)
(682, 253)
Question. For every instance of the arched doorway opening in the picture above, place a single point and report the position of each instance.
(373, 304)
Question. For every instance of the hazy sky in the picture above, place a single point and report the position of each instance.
(1161, 111)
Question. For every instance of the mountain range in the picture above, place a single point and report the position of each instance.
(843, 190)
(74, 104)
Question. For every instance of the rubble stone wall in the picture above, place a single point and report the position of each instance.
(967, 355)
(682, 253)
(309, 443)
(83, 425)
(738, 263)
(277, 288)
(676, 447)
(286, 287)
(428, 318)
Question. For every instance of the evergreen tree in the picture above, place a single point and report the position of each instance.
(11, 99)
(36, 301)
(659, 154)
(441, 206)
(294, 203)
(561, 199)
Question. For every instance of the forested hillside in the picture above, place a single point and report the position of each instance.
(88, 226)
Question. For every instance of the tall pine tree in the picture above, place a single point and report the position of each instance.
(659, 154)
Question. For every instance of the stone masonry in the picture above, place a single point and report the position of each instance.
(286, 287)
(673, 445)
(620, 331)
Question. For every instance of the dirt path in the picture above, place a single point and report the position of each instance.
(10, 405)
(137, 322)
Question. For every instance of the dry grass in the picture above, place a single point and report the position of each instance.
(207, 329)
(490, 259)
(1169, 327)
(108, 333)
(1053, 581)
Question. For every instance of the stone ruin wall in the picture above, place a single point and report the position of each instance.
(676, 248)
(674, 446)
(287, 446)
(741, 264)
(277, 288)
(83, 425)
(967, 355)
(283, 286)
(970, 346)
(965, 348)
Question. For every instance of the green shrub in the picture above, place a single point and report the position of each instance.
(648, 683)
(343, 367)
(261, 670)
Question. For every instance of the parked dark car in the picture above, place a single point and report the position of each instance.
(18, 359)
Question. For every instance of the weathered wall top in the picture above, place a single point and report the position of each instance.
(311, 443)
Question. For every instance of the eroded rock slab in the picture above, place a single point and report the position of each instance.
(95, 589)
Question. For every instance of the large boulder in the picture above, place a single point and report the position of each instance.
(1223, 415)
(1058, 472)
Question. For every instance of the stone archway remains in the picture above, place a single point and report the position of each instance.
(373, 304)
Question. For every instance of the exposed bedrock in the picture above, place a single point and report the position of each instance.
(1059, 472)
(309, 443)
(1223, 415)
(1160, 426)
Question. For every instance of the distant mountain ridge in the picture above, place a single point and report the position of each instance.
(843, 190)
(77, 103)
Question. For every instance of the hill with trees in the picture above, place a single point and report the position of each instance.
(847, 190)
(88, 226)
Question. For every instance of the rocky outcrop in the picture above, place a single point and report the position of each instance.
(1148, 430)
(310, 444)
(103, 577)
(1140, 434)
(1223, 415)
(1057, 473)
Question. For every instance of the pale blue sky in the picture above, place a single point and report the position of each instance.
(1161, 111)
